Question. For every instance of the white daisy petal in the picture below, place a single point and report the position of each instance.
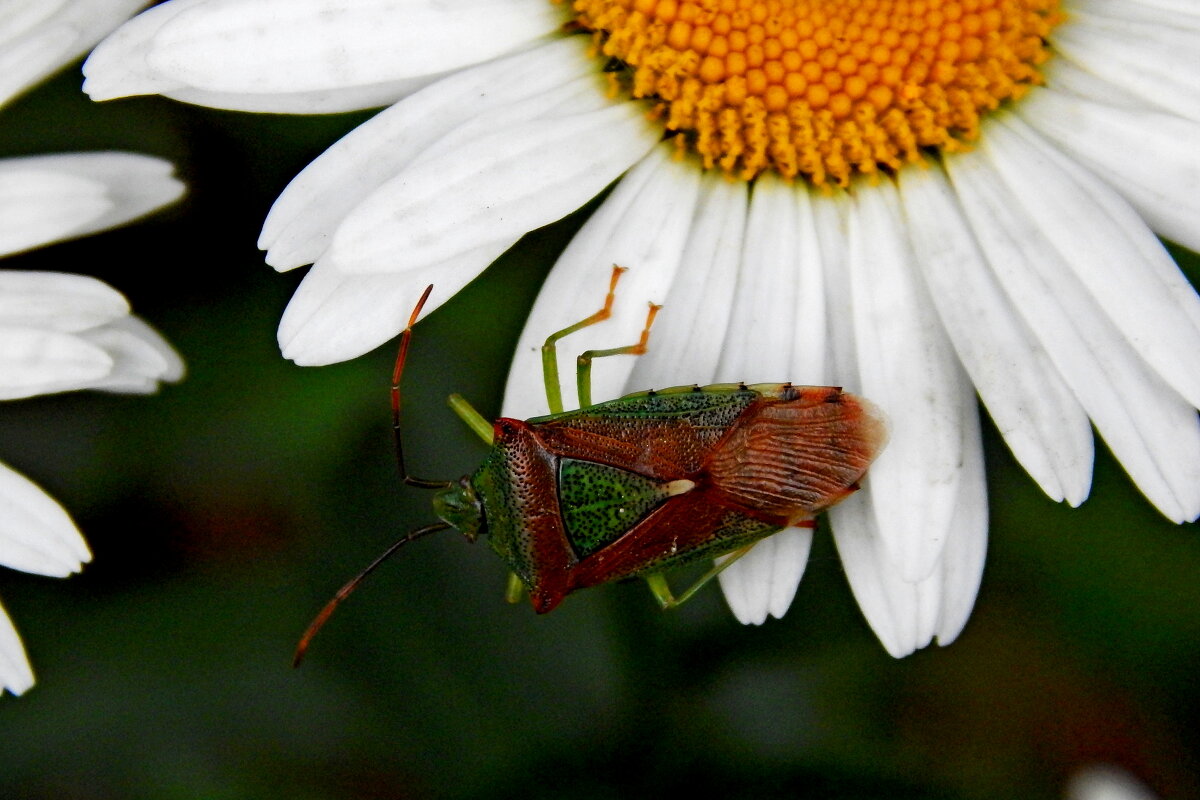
(831, 221)
(36, 534)
(15, 673)
(690, 330)
(58, 301)
(37, 37)
(889, 604)
(961, 567)
(1151, 430)
(1064, 76)
(896, 610)
(49, 198)
(1111, 250)
(323, 101)
(764, 304)
(141, 357)
(335, 316)
(1154, 60)
(303, 219)
(1037, 414)
(764, 581)
(34, 361)
(642, 225)
(118, 67)
(810, 352)
(907, 615)
(443, 206)
(1148, 156)
(907, 367)
(568, 99)
(38, 206)
(1181, 12)
(286, 46)
(1183, 7)
(31, 57)
(776, 333)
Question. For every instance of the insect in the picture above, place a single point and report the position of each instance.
(638, 485)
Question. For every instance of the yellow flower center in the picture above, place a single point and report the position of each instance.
(822, 89)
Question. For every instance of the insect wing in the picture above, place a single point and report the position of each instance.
(796, 453)
(661, 435)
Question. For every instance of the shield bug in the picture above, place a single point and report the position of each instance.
(653, 480)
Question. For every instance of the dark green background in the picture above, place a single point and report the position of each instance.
(226, 510)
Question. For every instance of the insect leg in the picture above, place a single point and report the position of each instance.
(662, 592)
(583, 368)
(515, 590)
(467, 413)
(550, 354)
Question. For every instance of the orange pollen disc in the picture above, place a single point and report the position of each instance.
(822, 89)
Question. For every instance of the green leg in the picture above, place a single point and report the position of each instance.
(662, 592)
(515, 589)
(467, 413)
(550, 354)
(583, 369)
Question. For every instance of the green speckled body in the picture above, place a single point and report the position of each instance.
(657, 479)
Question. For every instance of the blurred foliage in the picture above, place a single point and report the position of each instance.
(226, 510)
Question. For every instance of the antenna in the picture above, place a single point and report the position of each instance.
(344, 592)
(420, 483)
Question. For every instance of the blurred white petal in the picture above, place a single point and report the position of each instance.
(1150, 157)
(36, 361)
(57, 301)
(1152, 431)
(50, 198)
(36, 534)
(499, 185)
(1040, 419)
(285, 46)
(37, 37)
(303, 219)
(1104, 782)
(642, 225)
(142, 358)
(15, 673)
(764, 581)
(335, 316)
(907, 367)
(38, 206)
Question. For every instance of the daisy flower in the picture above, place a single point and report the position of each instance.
(60, 332)
(919, 200)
